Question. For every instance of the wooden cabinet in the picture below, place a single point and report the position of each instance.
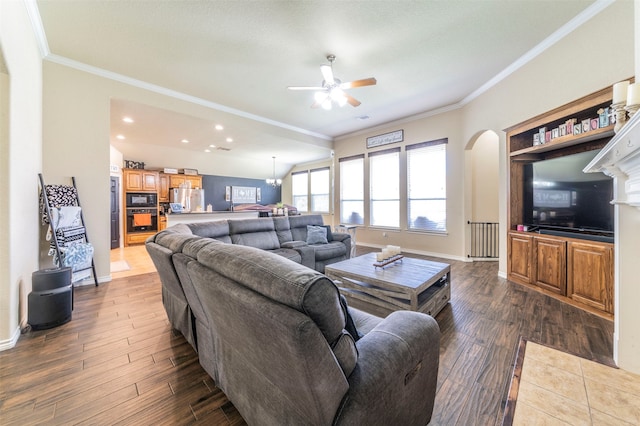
(167, 181)
(549, 264)
(163, 188)
(140, 180)
(590, 274)
(519, 256)
(577, 271)
(176, 180)
(162, 223)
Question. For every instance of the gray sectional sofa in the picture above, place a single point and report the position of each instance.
(280, 341)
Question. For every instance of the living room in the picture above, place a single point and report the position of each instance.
(80, 146)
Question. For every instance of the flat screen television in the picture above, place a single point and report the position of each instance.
(560, 199)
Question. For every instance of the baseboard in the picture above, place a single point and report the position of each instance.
(10, 343)
(422, 253)
(90, 281)
(502, 274)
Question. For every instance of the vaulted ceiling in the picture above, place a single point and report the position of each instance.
(238, 57)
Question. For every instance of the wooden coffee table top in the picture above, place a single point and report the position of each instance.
(411, 273)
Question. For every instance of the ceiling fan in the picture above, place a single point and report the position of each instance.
(332, 89)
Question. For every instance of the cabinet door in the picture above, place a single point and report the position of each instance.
(175, 181)
(149, 181)
(549, 264)
(133, 180)
(519, 258)
(196, 181)
(590, 274)
(163, 192)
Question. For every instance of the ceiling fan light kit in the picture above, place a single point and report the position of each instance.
(332, 89)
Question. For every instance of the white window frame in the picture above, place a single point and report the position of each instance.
(351, 185)
(431, 218)
(384, 188)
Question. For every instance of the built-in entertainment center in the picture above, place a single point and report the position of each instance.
(560, 219)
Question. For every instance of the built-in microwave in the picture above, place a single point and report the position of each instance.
(142, 199)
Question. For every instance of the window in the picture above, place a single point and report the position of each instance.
(427, 185)
(300, 187)
(352, 190)
(384, 179)
(320, 190)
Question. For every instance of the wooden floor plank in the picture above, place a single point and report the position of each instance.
(119, 362)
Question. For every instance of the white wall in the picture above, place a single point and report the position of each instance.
(20, 146)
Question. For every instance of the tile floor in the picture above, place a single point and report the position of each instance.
(136, 257)
(557, 388)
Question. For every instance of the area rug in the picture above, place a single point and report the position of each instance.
(550, 386)
(119, 266)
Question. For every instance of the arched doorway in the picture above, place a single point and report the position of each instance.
(482, 195)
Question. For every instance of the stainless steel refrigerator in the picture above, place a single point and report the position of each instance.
(191, 199)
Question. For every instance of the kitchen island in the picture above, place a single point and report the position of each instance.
(197, 217)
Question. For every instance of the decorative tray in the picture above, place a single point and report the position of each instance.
(388, 261)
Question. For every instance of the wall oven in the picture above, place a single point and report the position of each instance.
(142, 220)
(141, 199)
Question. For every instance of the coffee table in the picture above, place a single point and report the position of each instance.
(408, 284)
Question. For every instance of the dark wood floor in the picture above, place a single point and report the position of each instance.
(119, 362)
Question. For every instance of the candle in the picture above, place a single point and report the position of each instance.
(620, 92)
(379, 257)
(386, 253)
(633, 94)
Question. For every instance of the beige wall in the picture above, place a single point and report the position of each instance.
(20, 149)
(446, 125)
(558, 76)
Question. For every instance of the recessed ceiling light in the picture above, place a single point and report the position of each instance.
(219, 127)
(184, 141)
(207, 150)
(127, 120)
(229, 139)
(121, 137)
(212, 146)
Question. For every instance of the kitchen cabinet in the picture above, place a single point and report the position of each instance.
(163, 188)
(162, 223)
(140, 180)
(176, 180)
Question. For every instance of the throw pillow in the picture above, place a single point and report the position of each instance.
(316, 234)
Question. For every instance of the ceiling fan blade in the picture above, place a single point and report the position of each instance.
(352, 101)
(327, 74)
(305, 88)
(320, 99)
(358, 83)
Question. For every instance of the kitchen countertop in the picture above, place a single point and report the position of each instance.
(194, 217)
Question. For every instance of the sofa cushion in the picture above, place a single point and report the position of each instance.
(329, 251)
(294, 285)
(299, 224)
(218, 229)
(283, 230)
(259, 233)
(316, 234)
(288, 253)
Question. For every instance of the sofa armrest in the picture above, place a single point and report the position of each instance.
(307, 255)
(345, 239)
(293, 244)
(395, 378)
